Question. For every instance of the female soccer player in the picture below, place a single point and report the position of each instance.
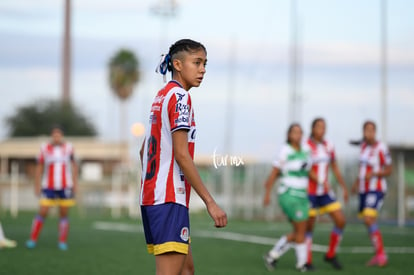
(58, 185)
(167, 161)
(375, 165)
(292, 165)
(320, 193)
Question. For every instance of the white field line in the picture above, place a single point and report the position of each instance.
(231, 236)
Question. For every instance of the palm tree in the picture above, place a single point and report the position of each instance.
(123, 76)
(123, 73)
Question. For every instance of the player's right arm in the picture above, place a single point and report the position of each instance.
(354, 188)
(269, 185)
(38, 177)
(184, 160)
(141, 153)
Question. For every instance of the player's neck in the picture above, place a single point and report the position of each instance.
(295, 146)
(317, 140)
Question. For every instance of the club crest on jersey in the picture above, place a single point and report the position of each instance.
(180, 190)
(184, 234)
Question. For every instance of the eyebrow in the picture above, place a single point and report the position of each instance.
(201, 59)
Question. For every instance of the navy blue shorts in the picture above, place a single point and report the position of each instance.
(322, 204)
(166, 228)
(52, 197)
(370, 203)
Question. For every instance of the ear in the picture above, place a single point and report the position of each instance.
(177, 64)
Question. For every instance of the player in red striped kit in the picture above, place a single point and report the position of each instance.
(55, 183)
(320, 192)
(375, 165)
(167, 155)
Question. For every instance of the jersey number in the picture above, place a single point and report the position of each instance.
(151, 156)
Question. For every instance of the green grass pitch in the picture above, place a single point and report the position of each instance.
(106, 246)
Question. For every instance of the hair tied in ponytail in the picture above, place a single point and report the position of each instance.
(163, 65)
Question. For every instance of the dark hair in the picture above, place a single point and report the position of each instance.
(369, 122)
(316, 120)
(56, 127)
(293, 125)
(187, 45)
(366, 123)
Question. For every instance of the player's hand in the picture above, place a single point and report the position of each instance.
(74, 188)
(368, 175)
(37, 190)
(266, 200)
(346, 195)
(217, 214)
(354, 188)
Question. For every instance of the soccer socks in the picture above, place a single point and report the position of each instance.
(376, 239)
(308, 242)
(301, 253)
(335, 240)
(63, 230)
(280, 248)
(36, 227)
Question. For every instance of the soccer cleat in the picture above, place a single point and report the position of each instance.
(30, 244)
(269, 262)
(302, 268)
(63, 246)
(6, 243)
(334, 262)
(379, 260)
(382, 260)
(310, 267)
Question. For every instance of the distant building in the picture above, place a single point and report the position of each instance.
(92, 154)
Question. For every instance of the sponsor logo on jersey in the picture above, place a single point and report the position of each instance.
(180, 96)
(182, 108)
(181, 119)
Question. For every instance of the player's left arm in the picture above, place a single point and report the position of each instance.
(186, 163)
(384, 172)
(75, 175)
(385, 161)
(340, 179)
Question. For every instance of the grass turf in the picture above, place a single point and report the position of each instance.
(102, 252)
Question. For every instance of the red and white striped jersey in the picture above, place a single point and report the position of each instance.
(373, 159)
(322, 155)
(57, 161)
(162, 179)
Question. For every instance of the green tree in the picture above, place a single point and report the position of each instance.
(123, 76)
(38, 118)
(123, 73)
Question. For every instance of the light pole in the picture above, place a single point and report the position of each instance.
(165, 9)
(384, 69)
(66, 53)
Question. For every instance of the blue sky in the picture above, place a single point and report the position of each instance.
(247, 41)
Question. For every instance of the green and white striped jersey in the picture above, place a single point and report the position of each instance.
(294, 167)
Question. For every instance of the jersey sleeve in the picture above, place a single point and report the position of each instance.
(309, 159)
(280, 158)
(385, 155)
(179, 110)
